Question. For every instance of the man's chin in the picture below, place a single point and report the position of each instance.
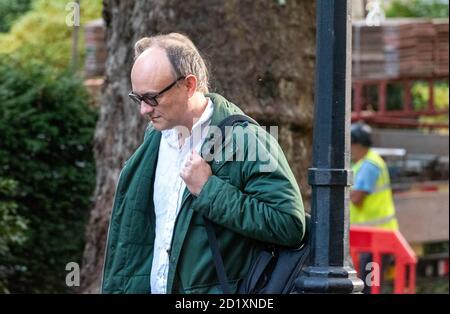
(159, 126)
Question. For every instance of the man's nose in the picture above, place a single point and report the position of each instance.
(145, 108)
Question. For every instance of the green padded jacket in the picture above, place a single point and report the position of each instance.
(249, 207)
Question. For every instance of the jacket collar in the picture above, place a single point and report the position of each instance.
(222, 108)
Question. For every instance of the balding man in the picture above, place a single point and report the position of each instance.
(157, 240)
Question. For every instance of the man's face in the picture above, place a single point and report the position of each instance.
(152, 73)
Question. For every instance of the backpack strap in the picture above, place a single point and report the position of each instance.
(218, 262)
(228, 121)
(232, 120)
(212, 239)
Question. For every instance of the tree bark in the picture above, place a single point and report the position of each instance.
(261, 56)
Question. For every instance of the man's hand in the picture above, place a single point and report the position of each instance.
(195, 173)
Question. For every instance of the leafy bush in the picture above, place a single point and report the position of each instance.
(12, 226)
(421, 95)
(42, 35)
(418, 8)
(10, 10)
(46, 128)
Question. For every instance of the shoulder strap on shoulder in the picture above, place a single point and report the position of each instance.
(212, 239)
(233, 119)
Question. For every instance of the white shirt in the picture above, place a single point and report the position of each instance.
(168, 192)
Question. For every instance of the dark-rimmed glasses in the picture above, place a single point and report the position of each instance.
(150, 98)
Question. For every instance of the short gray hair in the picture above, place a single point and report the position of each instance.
(183, 56)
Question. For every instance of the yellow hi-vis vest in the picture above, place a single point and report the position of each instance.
(377, 208)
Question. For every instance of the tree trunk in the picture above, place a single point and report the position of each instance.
(261, 56)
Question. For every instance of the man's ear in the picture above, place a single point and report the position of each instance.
(191, 84)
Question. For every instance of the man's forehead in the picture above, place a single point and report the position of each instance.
(150, 54)
(151, 70)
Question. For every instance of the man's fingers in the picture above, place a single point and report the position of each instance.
(185, 172)
(191, 164)
(195, 155)
(187, 168)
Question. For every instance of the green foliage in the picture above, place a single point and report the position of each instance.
(432, 285)
(42, 35)
(12, 226)
(421, 94)
(10, 10)
(418, 8)
(47, 128)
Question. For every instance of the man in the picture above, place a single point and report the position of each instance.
(371, 195)
(157, 241)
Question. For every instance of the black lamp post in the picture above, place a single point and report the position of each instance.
(330, 269)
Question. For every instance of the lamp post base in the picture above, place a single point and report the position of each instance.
(328, 280)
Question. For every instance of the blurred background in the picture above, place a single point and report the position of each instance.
(66, 125)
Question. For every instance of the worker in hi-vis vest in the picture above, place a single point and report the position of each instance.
(371, 195)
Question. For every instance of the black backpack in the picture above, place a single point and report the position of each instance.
(275, 269)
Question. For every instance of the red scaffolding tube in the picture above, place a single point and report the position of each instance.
(406, 116)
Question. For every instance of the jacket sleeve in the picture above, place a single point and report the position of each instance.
(268, 208)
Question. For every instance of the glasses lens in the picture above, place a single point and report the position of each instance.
(151, 101)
